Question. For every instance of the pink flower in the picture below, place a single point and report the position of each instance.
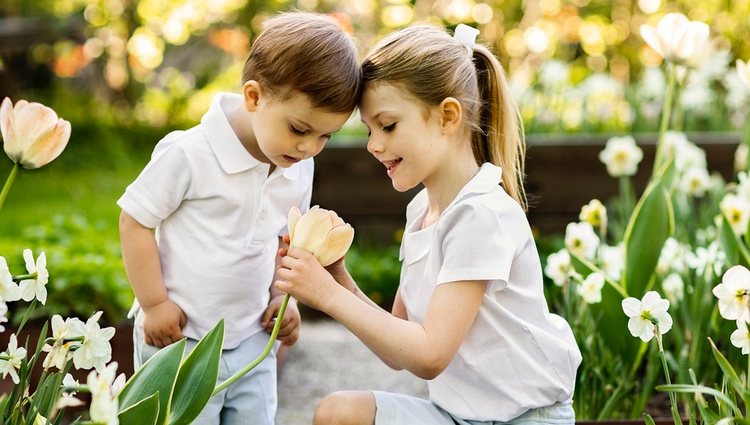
(33, 134)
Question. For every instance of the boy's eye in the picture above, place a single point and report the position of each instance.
(389, 128)
(297, 131)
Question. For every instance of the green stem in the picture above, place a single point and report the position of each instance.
(8, 183)
(256, 362)
(665, 115)
(672, 398)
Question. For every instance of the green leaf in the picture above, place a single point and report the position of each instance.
(157, 375)
(648, 419)
(649, 227)
(734, 247)
(729, 373)
(700, 389)
(197, 377)
(609, 310)
(145, 412)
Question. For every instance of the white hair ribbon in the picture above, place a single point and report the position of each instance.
(466, 35)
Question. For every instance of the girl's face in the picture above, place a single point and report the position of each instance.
(288, 129)
(405, 136)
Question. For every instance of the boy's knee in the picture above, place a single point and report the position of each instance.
(346, 408)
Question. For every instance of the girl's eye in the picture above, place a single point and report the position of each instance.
(389, 128)
(297, 131)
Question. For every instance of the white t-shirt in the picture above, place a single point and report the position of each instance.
(218, 215)
(517, 355)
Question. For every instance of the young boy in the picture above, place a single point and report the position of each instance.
(218, 196)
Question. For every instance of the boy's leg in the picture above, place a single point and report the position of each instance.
(252, 399)
(141, 350)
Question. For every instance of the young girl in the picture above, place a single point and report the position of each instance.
(470, 314)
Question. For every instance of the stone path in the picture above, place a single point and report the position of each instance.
(328, 358)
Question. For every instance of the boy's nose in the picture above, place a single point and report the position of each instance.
(306, 146)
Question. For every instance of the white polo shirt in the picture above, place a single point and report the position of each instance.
(218, 215)
(517, 355)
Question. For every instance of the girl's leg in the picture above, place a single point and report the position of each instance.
(346, 408)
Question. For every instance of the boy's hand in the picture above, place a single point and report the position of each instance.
(163, 323)
(289, 330)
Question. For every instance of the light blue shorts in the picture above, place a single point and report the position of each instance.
(251, 400)
(401, 409)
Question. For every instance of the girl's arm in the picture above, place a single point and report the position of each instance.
(424, 349)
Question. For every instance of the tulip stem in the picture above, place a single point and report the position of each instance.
(256, 362)
(8, 183)
(665, 116)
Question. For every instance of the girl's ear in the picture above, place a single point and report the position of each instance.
(251, 91)
(450, 115)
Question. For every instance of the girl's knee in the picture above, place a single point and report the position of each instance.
(346, 408)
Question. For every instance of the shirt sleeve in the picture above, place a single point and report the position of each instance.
(474, 246)
(160, 188)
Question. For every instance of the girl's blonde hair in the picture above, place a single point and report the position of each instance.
(431, 65)
(308, 53)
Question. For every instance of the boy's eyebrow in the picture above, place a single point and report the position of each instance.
(304, 123)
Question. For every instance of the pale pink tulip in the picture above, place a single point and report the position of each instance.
(320, 232)
(33, 134)
(678, 39)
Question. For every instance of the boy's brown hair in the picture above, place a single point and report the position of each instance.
(308, 53)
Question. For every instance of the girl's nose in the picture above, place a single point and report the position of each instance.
(374, 145)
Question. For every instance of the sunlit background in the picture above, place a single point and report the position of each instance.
(575, 65)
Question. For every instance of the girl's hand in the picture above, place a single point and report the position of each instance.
(301, 275)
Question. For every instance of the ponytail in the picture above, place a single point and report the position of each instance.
(498, 138)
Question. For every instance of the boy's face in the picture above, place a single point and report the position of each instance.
(286, 127)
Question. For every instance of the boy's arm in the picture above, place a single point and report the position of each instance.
(163, 319)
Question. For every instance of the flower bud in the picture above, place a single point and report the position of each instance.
(320, 232)
(33, 134)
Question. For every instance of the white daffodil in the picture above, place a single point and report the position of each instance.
(621, 155)
(581, 239)
(737, 212)
(11, 359)
(695, 182)
(678, 39)
(707, 259)
(741, 337)
(104, 404)
(67, 398)
(740, 156)
(35, 287)
(672, 257)
(591, 288)
(595, 213)
(3, 314)
(674, 287)
(67, 334)
(644, 314)
(743, 70)
(9, 290)
(95, 350)
(733, 293)
(612, 260)
(559, 267)
(688, 155)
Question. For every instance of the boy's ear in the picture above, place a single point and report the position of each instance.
(252, 93)
(450, 115)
